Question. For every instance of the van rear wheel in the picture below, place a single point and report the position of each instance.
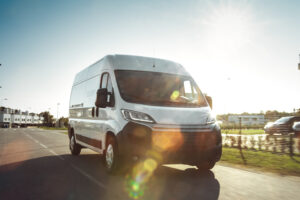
(74, 147)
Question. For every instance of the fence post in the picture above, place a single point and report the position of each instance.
(240, 134)
(240, 142)
(291, 145)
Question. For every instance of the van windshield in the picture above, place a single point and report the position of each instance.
(161, 89)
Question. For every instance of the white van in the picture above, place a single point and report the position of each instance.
(130, 107)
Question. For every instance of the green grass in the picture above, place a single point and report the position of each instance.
(244, 131)
(265, 161)
(52, 128)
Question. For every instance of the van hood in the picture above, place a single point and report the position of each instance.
(176, 115)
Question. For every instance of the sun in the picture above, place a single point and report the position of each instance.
(228, 27)
(226, 33)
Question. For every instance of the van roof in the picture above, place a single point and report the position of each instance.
(130, 62)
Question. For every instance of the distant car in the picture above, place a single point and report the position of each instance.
(296, 128)
(283, 125)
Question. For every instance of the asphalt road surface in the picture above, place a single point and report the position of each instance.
(36, 164)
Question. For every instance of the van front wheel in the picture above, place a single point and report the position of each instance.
(111, 155)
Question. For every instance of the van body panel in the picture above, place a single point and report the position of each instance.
(172, 115)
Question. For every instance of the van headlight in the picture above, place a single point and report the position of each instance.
(136, 116)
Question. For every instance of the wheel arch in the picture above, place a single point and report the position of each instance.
(70, 131)
(108, 135)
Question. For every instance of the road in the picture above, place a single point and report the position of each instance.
(36, 164)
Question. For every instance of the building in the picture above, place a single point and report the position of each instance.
(247, 119)
(5, 117)
(15, 118)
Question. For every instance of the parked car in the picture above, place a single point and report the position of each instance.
(131, 108)
(283, 125)
(296, 128)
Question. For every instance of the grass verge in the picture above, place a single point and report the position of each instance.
(63, 130)
(52, 128)
(266, 161)
(244, 131)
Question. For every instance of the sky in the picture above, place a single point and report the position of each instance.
(242, 53)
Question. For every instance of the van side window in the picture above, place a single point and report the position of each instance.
(104, 80)
(109, 85)
(106, 83)
(190, 90)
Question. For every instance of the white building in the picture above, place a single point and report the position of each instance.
(10, 117)
(247, 119)
(28, 119)
(23, 118)
(5, 117)
(35, 119)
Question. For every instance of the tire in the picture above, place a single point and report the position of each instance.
(206, 165)
(111, 156)
(74, 147)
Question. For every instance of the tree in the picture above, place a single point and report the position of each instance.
(64, 121)
(48, 118)
(274, 115)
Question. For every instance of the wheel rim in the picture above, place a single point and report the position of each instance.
(72, 143)
(109, 156)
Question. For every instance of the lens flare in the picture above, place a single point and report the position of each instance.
(139, 132)
(150, 164)
(174, 95)
(136, 181)
(167, 142)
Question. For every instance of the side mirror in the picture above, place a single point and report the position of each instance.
(209, 101)
(101, 99)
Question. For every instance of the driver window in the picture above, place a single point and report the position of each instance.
(106, 83)
(104, 80)
(188, 89)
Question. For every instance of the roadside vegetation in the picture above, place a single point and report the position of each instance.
(63, 130)
(52, 128)
(266, 161)
(244, 131)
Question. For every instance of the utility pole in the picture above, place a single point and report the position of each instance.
(57, 120)
(57, 112)
(299, 63)
(0, 66)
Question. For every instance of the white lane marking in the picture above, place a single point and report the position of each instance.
(54, 132)
(53, 152)
(73, 166)
(44, 146)
(60, 133)
(88, 176)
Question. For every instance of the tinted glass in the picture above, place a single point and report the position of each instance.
(154, 88)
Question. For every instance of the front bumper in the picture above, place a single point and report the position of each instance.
(188, 144)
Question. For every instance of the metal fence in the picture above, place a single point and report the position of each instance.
(284, 144)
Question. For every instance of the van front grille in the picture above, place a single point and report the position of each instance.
(184, 139)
